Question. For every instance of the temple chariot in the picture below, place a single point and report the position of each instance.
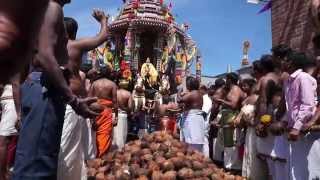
(145, 33)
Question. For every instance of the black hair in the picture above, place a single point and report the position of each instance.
(192, 83)
(203, 87)
(233, 77)
(105, 72)
(257, 66)
(267, 63)
(108, 44)
(219, 83)
(316, 41)
(85, 67)
(71, 27)
(281, 51)
(310, 62)
(249, 82)
(299, 60)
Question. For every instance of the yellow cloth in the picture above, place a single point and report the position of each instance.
(104, 128)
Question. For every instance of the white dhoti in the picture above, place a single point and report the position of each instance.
(9, 114)
(232, 160)
(252, 167)
(218, 147)
(304, 158)
(71, 163)
(89, 140)
(120, 131)
(314, 159)
(206, 151)
(279, 156)
(193, 129)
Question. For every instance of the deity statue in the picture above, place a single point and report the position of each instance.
(138, 94)
(149, 73)
(108, 56)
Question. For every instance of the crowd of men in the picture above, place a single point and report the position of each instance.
(264, 127)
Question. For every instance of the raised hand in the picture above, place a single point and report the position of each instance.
(99, 15)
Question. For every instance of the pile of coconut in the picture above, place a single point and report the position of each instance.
(157, 156)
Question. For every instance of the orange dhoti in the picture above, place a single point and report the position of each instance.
(104, 128)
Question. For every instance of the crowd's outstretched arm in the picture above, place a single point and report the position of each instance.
(87, 44)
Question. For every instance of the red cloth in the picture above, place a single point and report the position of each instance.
(168, 124)
(104, 128)
(12, 150)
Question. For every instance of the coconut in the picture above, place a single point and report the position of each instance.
(157, 156)
(153, 166)
(156, 175)
(142, 172)
(169, 154)
(167, 166)
(143, 177)
(134, 169)
(198, 174)
(100, 176)
(177, 162)
(160, 159)
(154, 147)
(147, 137)
(185, 173)
(207, 172)
(196, 165)
(147, 157)
(164, 148)
(169, 175)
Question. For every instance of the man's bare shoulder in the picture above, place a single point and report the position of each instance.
(54, 9)
(124, 92)
(105, 82)
(235, 89)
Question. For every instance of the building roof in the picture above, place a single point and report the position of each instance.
(145, 13)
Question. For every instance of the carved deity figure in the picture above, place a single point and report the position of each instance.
(149, 73)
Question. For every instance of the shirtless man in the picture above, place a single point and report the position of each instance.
(269, 85)
(73, 128)
(106, 91)
(215, 147)
(44, 97)
(125, 107)
(76, 48)
(193, 125)
(19, 22)
(230, 108)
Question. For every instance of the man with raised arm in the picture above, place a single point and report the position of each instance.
(45, 94)
(76, 48)
(71, 157)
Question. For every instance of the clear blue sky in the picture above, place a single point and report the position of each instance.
(218, 26)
